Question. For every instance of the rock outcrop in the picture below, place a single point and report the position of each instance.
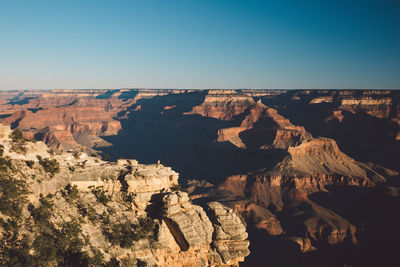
(230, 236)
(108, 212)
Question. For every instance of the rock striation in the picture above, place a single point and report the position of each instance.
(223, 104)
(230, 236)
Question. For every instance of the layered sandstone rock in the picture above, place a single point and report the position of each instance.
(161, 226)
(70, 119)
(377, 107)
(230, 234)
(189, 224)
(223, 104)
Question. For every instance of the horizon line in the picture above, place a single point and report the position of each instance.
(153, 88)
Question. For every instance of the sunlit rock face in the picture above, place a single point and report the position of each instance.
(223, 104)
(99, 199)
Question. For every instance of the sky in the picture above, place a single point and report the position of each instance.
(199, 44)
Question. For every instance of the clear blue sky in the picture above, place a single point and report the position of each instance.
(199, 44)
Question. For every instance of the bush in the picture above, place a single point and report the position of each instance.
(12, 195)
(14, 250)
(88, 211)
(126, 233)
(42, 214)
(122, 234)
(63, 246)
(70, 192)
(17, 136)
(5, 164)
(141, 263)
(18, 141)
(101, 195)
(50, 165)
(29, 163)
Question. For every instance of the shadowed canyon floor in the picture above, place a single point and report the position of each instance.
(312, 173)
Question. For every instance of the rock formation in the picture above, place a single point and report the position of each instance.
(73, 209)
(70, 119)
(309, 167)
(223, 104)
(261, 120)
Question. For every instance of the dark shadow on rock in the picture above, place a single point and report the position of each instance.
(270, 251)
(377, 220)
(187, 143)
(359, 135)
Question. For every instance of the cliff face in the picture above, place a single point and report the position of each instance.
(313, 166)
(70, 119)
(77, 210)
(260, 123)
(223, 104)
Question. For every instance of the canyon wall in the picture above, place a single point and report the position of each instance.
(306, 168)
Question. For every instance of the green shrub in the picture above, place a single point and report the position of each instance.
(90, 212)
(122, 234)
(146, 225)
(18, 141)
(63, 246)
(45, 246)
(125, 234)
(70, 192)
(42, 214)
(5, 164)
(17, 135)
(12, 195)
(141, 263)
(50, 165)
(101, 195)
(29, 163)
(14, 249)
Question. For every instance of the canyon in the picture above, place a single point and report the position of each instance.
(312, 174)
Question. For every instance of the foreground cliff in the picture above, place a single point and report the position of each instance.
(74, 210)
